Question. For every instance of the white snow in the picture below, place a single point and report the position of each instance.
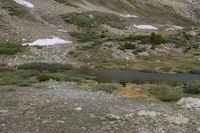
(128, 16)
(174, 28)
(63, 30)
(78, 109)
(147, 27)
(25, 3)
(47, 42)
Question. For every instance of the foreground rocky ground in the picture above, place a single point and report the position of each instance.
(63, 107)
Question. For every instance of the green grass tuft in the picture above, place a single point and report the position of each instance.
(11, 49)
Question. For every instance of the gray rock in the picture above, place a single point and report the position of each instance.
(148, 113)
(189, 102)
(179, 119)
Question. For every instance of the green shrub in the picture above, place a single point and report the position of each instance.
(192, 87)
(10, 49)
(47, 67)
(43, 77)
(165, 93)
(156, 39)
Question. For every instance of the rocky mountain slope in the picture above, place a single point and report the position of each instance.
(19, 22)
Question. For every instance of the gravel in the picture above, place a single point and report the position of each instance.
(64, 107)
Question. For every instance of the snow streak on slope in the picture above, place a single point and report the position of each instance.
(47, 42)
(147, 27)
(24, 3)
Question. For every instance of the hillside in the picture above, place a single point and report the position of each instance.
(98, 66)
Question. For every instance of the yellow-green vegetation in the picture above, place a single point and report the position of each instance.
(11, 49)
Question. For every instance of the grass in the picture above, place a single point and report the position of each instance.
(11, 49)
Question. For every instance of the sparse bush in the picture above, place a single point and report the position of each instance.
(165, 93)
(192, 87)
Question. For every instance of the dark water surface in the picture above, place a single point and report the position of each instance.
(137, 76)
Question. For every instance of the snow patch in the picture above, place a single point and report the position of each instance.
(24, 3)
(78, 109)
(147, 27)
(47, 42)
(174, 28)
(128, 16)
(66, 31)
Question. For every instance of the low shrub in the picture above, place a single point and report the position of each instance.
(46, 67)
(192, 87)
(165, 93)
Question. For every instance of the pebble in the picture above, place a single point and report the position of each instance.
(78, 109)
(179, 119)
(148, 113)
